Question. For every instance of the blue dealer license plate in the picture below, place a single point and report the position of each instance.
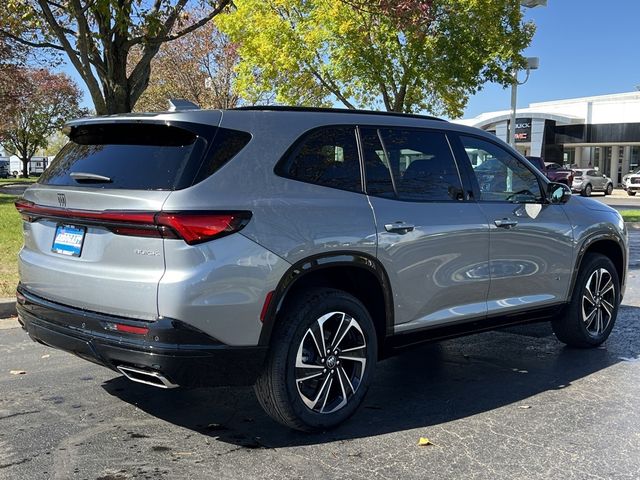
(68, 240)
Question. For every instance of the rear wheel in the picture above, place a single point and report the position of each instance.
(321, 361)
(609, 190)
(593, 308)
(586, 191)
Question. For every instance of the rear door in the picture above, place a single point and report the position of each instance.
(89, 239)
(432, 240)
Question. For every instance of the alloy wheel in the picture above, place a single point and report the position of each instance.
(598, 300)
(330, 362)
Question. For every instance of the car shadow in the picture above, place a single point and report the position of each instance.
(427, 386)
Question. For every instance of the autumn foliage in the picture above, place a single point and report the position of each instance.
(47, 100)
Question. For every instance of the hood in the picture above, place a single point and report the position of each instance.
(592, 204)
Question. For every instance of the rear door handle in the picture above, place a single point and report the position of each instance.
(399, 227)
(506, 223)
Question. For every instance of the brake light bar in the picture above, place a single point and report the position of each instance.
(191, 226)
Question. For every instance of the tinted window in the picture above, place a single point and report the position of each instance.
(500, 175)
(592, 173)
(326, 156)
(132, 156)
(422, 165)
(376, 164)
(226, 145)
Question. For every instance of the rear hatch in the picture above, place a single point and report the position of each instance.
(93, 235)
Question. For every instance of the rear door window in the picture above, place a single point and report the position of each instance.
(142, 156)
(326, 156)
(417, 164)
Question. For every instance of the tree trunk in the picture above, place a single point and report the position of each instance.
(25, 167)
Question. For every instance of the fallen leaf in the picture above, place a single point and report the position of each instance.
(45, 356)
(17, 372)
(524, 407)
(424, 441)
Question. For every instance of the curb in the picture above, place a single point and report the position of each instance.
(7, 307)
(632, 225)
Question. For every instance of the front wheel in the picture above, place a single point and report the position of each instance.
(609, 190)
(630, 193)
(593, 308)
(321, 361)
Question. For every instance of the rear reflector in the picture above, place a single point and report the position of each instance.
(193, 227)
(131, 329)
(265, 306)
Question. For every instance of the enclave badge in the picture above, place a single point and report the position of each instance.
(62, 200)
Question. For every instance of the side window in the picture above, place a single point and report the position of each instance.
(413, 165)
(500, 175)
(326, 156)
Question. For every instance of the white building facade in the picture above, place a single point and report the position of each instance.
(601, 131)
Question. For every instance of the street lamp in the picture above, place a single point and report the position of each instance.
(532, 64)
(533, 3)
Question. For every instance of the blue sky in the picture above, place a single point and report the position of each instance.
(586, 47)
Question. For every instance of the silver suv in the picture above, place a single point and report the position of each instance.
(294, 248)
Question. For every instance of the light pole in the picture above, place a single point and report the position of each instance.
(532, 64)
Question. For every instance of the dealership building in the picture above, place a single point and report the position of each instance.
(602, 132)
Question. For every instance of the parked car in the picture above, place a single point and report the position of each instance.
(553, 171)
(4, 168)
(588, 180)
(293, 248)
(631, 182)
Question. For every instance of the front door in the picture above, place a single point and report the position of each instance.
(432, 241)
(531, 241)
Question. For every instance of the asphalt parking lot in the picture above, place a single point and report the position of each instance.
(505, 404)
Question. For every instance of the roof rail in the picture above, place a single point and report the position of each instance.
(285, 108)
(178, 104)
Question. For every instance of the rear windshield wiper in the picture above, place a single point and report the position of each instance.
(89, 177)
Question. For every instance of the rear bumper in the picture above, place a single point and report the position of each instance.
(184, 355)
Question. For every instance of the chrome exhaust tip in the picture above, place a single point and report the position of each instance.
(155, 379)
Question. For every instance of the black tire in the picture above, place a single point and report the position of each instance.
(573, 326)
(586, 191)
(609, 189)
(630, 193)
(279, 389)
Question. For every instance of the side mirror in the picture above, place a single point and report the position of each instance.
(558, 193)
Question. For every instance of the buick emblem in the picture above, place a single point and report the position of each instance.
(62, 200)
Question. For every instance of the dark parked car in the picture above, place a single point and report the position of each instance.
(553, 171)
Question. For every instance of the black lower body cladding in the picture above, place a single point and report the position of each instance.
(185, 356)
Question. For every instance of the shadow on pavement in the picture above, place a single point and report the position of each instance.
(427, 386)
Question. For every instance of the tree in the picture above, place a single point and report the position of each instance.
(49, 100)
(12, 80)
(405, 56)
(199, 67)
(97, 36)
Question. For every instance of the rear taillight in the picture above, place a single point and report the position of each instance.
(193, 227)
(197, 227)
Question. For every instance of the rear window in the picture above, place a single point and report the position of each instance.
(327, 156)
(577, 173)
(141, 156)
